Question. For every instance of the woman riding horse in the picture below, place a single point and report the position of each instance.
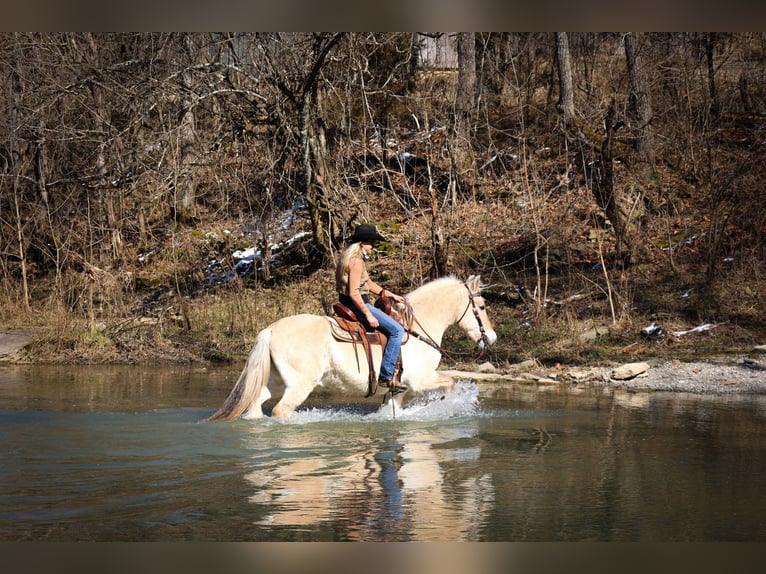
(354, 286)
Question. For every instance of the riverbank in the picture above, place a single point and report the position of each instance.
(744, 374)
(737, 374)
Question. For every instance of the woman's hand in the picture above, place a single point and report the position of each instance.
(374, 323)
(391, 295)
(395, 297)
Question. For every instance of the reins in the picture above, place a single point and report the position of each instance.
(426, 338)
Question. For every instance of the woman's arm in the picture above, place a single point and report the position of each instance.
(379, 291)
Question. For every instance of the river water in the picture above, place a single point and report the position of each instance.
(121, 454)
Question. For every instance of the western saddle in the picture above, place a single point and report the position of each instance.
(348, 321)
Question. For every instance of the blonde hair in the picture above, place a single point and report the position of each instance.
(353, 250)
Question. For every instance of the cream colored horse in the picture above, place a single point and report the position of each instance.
(297, 353)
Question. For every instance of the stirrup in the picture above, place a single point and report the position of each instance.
(396, 389)
(393, 387)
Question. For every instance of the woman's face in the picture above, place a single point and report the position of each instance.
(367, 247)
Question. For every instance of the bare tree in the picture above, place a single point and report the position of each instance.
(100, 115)
(565, 105)
(15, 167)
(710, 46)
(462, 157)
(622, 207)
(300, 87)
(185, 148)
(640, 103)
(465, 109)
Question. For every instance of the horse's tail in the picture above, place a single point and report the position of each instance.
(250, 383)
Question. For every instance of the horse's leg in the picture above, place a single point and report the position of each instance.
(255, 410)
(292, 398)
(299, 379)
(301, 359)
(434, 380)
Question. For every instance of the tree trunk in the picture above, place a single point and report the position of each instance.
(465, 104)
(105, 194)
(440, 239)
(185, 185)
(565, 105)
(17, 88)
(41, 171)
(640, 106)
(313, 154)
(621, 208)
(709, 53)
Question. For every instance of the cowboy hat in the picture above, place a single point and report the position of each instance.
(365, 233)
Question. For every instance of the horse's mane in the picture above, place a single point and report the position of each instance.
(404, 310)
(436, 284)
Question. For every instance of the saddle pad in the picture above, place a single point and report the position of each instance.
(341, 334)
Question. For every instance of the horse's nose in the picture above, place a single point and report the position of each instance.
(489, 339)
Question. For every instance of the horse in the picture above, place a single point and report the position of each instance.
(297, 353)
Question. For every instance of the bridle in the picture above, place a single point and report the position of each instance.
(476, 312)
(475, 308)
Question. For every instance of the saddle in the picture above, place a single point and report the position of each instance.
(357, 333)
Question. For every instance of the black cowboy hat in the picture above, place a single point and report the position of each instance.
(365, 233)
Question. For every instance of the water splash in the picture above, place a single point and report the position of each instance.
(462, 401)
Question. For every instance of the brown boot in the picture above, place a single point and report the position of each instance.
(394, 386)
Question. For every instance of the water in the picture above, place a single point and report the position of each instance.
(120, 454)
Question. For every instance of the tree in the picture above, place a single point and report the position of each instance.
(565, 105)
(184, 204)
(622, 208)
(462, 156)
(15, 160)
(640, 104)
(301, 89)
(710, 46)
(465, 107)
(101, 127)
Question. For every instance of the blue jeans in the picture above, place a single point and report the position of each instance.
(395, 333)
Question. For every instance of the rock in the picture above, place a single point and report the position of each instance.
(12, 341)
(629, 371)
(759, 349)
(753, 364)
(471, 375)
(536, 378)
(592, 334)
(486, 368)
(523, 366)
(579, 375)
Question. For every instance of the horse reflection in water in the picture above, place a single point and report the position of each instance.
(408, 485)
(296, 354)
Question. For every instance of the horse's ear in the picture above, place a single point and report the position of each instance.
(474, 283)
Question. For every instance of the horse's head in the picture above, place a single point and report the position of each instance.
(476, 323)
